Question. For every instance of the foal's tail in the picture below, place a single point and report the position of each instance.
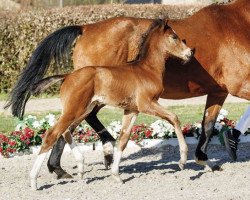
(45, 83)
(55, 46)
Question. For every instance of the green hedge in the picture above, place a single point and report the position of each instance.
(21, 32)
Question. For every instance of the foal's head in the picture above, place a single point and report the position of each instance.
(170, 44)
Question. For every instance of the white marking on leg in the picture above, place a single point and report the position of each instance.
(36, 169)
(117, 160)
(79, 157)
(108, 148)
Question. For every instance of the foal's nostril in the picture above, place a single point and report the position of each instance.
(192, 51)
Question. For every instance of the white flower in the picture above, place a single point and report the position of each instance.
(114, 128)
(20, 126)
(223, 112)
(31, 117)
(220, 117)
(36, 124)
(42, 121)
(197, 125)
(51, 119)
(162, 128)
(218, 126)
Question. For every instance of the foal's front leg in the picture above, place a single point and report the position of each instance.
(155, 109)
(128, 120)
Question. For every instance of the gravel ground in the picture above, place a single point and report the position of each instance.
(148, 174)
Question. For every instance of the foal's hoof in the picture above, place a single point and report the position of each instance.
(181, 165)
(33, 184)
(117, 178)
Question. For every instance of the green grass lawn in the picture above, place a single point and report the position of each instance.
(187, 114)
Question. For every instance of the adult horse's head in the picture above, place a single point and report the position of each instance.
(172, 45)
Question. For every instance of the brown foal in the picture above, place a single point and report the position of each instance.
(134, 87)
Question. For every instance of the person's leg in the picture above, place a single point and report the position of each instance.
(231, 136)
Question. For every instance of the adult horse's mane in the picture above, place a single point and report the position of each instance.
(143, 41)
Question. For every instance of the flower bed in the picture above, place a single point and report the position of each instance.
(30, 132)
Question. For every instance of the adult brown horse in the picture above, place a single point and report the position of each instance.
(219, 34)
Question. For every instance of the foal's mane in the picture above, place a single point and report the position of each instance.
(144, 42)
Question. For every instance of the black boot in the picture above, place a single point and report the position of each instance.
(231, 139)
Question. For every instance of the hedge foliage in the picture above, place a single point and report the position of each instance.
(21, 32)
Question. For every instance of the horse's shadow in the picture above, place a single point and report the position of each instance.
(166, 164)
(169, 158)
(45, 187)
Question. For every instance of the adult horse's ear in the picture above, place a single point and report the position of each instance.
(166, 26)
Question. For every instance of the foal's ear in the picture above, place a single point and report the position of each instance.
(166, 26)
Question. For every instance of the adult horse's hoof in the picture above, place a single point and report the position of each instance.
(61, 174)
(108, 159)
(216, 168)
(213, 166)
(117, 178)
(108, 150)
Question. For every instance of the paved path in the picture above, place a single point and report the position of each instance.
(54, 104)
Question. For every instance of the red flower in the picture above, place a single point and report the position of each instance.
(1, 149)
(27, 142)
(12, 143)
(10, 150)
(89, 133)
(23, 137)
(148, 133)
(80, 137)
(28, 132)
(4, 138)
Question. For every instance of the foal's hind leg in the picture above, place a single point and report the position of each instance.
(51, 136)
(155, 109)
(127, 123)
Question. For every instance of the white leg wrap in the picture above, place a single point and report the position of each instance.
(108, 148)
(244, 122)
(79, 158)
(36, 169)
(116, 163)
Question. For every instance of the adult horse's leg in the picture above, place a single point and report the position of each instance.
(107, 140)
(213, 106)
(54, 162)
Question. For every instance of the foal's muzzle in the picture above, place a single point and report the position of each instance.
(188, 55)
